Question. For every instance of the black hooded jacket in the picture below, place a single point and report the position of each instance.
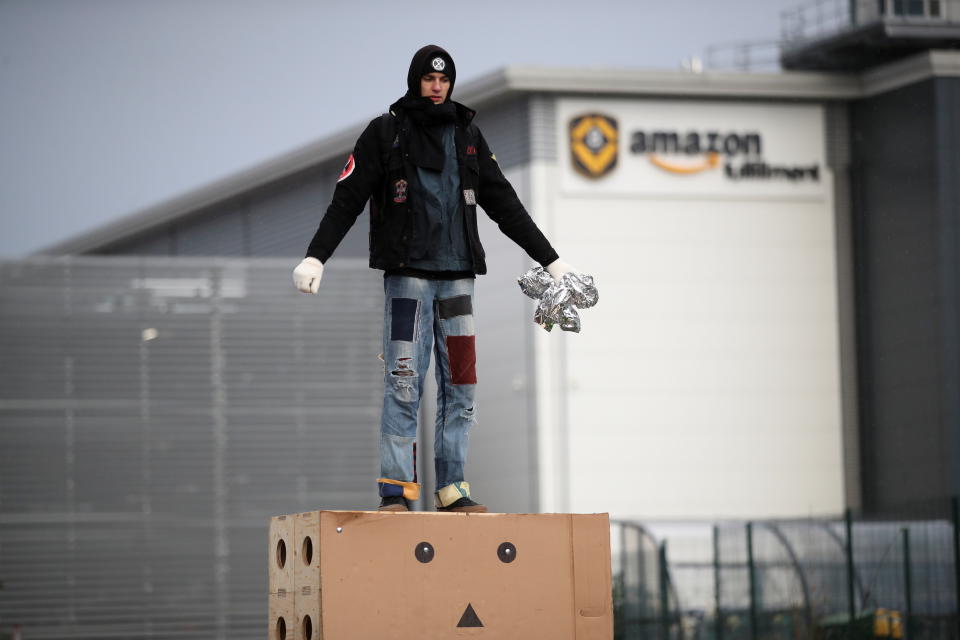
(378, 170)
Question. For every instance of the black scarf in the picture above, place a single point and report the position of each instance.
(425, 134)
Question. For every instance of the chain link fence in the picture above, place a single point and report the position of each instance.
(817, 578)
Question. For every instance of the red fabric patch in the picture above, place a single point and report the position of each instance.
(463, 359)
(347, 169)
(471, 150)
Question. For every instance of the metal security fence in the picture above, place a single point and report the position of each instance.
(841, 578)
(645, 600)
(154, 412)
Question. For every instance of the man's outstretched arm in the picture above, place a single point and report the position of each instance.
(500, 202)
(360, 176)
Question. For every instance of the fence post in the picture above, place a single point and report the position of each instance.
(644, 603)
(623, 579)
(718, 616)
(852, 605)
(907, 587)
(955, 507)
(664, 594)
(751, 578)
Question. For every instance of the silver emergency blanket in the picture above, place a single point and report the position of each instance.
(557, 302)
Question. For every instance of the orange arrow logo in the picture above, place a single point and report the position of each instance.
(712, 162)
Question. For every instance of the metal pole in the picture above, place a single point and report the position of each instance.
(955, 504)
(751, 575)
(664, 594)
(852, 605)
(623, 578)
(643, 598)
(718, 616)
(907, 588)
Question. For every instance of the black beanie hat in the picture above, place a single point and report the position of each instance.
(430, 59)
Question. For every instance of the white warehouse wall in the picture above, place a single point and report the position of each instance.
(706, 383)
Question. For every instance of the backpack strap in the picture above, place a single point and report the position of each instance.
(389, 139)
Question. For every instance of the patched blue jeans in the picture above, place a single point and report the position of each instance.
(421, 315)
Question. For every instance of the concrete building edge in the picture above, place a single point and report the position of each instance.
(837, 143)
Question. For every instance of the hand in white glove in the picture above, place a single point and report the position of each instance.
(558, 268)
(306, 277)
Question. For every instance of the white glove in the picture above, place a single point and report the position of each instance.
(306, 277)
(558, 268)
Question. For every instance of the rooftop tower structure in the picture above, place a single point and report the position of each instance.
(853, 35)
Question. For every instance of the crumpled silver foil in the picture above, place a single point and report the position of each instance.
(557, 302)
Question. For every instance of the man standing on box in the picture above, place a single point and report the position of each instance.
(425, 167)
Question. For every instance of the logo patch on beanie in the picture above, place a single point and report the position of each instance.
(439, 64)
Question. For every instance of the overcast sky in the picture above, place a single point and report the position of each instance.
(110, 106)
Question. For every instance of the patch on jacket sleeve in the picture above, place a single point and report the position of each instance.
(400, 191)
(347, 169)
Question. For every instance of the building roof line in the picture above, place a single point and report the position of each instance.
(506, 82)
(901, 73)
(663, 83)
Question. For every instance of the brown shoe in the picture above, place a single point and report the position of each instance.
(464, 505)
(393, 503)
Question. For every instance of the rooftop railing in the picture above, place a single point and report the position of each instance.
(750, 56)
(821, 18)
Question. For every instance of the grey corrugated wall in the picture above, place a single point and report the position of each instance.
(506, 128)
(154, 412)
(543, 126)
(277, 219)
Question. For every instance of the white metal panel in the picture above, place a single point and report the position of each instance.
(706, 382)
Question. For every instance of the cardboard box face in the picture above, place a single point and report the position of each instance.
(429, 575)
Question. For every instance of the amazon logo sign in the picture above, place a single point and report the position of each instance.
(594, 140)
(693, 152)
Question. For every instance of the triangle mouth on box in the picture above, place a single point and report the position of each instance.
(469, 618)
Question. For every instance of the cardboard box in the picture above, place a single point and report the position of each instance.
(281, 562)
(280, 555)
(384, 575)
(280, 621)
(306, 535)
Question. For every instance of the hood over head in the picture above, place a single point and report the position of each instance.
(429, 59)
